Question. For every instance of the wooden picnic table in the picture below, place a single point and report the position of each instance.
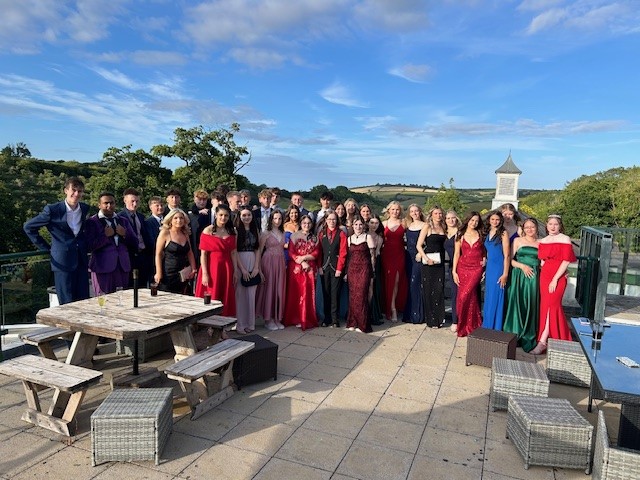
(166, 312)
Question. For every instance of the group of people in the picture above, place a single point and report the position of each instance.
(525, 277)
(294, 267)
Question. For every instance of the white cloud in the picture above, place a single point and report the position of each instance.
(547, 20)
(340, 95)
(413, 73)
(398, 16)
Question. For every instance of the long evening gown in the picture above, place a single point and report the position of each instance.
(393, 265)
(176, 257)
(433, 282)
(553, 254)
(358, 279)
(523, 300)
(270, 296)
(375, 308)
(449, 246)
(220, 268)
(469, 271)
(414, 311)
(300, 308)
(493, 310)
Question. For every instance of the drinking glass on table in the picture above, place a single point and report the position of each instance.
(102, 300)
(119, 293)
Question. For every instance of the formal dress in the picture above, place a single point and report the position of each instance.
(300, 298)
(246, 296)
(449, 247)
(220, 267)
(553, 254)
(414, 308)
(469, 271)
(393, 266)
(358, 280)
(176, 257)
(523, 300)
(433, 282)
(376, 314)
(493, 309)
(270, 297)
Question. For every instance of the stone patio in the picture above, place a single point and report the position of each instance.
(398, 403)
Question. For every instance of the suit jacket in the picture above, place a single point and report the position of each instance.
(198, 223)
(153, 230)
(105, 254)
(147, 238)
(68, 251)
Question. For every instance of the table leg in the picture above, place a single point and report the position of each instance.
(629, 427)
(183, 343)
(82, 350)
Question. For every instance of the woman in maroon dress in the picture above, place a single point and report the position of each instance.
(468, 263)
(555, 253)
(218, 260)
(393, 262)
(362, 250)
(300, 303)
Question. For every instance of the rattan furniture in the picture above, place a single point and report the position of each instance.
(567, 364)
(516, 377)
(257, 365)
(610, 462)
(131, 424)
(483, 344)
(550, 432)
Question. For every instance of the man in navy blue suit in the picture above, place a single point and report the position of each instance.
(153, 223)
(140, 254)
(68, 249)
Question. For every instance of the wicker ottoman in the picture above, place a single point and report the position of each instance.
(131, 424)
(566, 363)
(550, 432)
(257, 365)
(516, 377)
(483, 344)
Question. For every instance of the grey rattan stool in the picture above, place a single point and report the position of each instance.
(516, 377)
(550, 432)
(567, 364)
(613, 462)
(131, 424)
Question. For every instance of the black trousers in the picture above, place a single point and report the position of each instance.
(330, 295)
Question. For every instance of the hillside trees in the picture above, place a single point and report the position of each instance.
(446, 198)
(211, 157)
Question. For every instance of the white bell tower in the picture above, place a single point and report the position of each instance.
(506, 184)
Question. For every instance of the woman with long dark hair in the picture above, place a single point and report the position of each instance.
(497, 247)
(248, 264)
(218, 259)
(468, 263)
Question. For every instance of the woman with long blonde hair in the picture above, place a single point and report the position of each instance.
(414, 222)
(393, 262)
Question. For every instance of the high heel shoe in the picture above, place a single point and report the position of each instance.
(394, 315)
(540, 349)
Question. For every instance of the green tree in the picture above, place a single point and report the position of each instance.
(211, 157)
(446, 198)
(123, 168)
(625, 198)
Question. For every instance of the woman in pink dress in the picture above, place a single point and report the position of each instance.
(468, 262)
(555, 253)
(270, 297)
(393, 262)
(218, 260)
(300, 303)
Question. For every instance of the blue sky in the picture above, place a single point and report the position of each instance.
(340, 92)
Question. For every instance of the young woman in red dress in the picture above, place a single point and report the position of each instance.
(393, 262)
(218, 259)
(555, 253)
(300, 302)
(469, 258)
(362, 259)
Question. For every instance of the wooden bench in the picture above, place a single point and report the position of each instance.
(43, 338)
(70, 384)
(203, 391)
(216, 324)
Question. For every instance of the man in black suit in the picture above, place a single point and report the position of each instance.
(152, 224)
(173, 199)
(325, 201)
(68, 248)
(298, 201)
(140, 255)
(199, 219)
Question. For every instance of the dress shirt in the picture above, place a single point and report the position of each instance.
(111, 221)
(74, 218)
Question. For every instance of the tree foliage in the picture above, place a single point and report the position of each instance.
(211, 157)
(446, 198)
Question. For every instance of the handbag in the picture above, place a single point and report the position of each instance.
(184, 273)
(434, 257)
(252, 282)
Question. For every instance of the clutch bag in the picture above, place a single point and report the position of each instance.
(252, 282)
(434, 257)
(184, 273)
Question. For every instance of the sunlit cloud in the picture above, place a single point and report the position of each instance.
(341, 95)
(412, 73)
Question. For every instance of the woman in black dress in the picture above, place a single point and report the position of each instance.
(173, 254)
(453, 224)
(431, 250)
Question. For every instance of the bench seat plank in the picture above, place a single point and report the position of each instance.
(46, 334)
(217, 321)
(214, 357)
(44, 371)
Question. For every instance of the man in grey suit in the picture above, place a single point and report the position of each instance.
(68, 248)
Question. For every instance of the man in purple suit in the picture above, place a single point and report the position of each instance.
(109, 238)
(68, 248)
